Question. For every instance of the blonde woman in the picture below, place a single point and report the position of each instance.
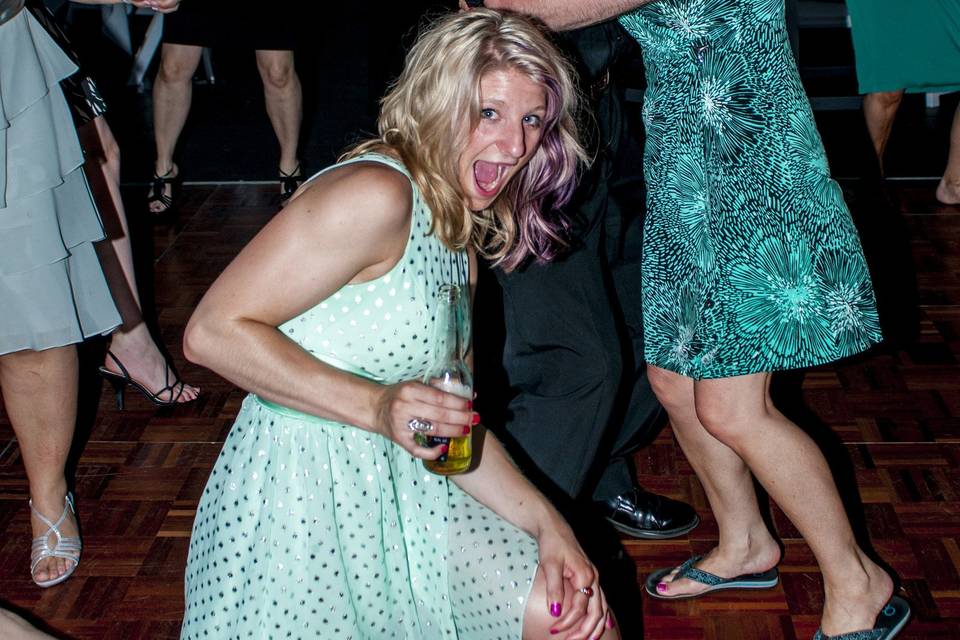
(318, 519)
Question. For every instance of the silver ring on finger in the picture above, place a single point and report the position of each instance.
(587, 591)
(419, 425)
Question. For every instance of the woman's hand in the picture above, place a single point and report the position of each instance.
(160, 6)
(573, 582)
(449, 415)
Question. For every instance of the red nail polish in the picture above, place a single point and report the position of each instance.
(469, 404)
(444, 448)
(555, 609)
(466, 430)
(610, 623)
(476, 418)
(553, 632)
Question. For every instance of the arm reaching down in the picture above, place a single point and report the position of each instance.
(564, 15)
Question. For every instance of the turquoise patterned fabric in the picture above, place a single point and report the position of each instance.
(751, 261)
(309, 528)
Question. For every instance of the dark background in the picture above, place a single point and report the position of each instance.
(348, 54)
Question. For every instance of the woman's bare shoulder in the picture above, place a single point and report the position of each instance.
(361, 193)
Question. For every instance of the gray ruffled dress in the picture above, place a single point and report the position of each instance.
(52, 288)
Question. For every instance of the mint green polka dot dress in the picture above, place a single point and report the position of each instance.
(309, 528)
(751, 262)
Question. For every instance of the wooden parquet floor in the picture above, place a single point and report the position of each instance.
(890, 421)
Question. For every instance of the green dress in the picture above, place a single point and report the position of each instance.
(912, 45)
(309, 528)
(751, 262)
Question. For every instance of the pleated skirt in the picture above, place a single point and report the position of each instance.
(52, 288)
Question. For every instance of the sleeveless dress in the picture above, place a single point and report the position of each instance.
(52, 288)
(309, 528)
(751, 262)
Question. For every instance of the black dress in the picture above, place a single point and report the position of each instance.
(253, 25)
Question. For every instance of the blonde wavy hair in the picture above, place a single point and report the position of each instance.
(429, 111)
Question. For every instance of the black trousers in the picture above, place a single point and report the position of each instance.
(573, 360)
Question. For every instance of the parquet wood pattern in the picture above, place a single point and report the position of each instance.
(890, 420)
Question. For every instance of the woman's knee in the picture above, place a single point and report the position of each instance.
(538, 621)
(886, 99)
(727, 417)
(674, 391)
(277, 73)
(178, 63)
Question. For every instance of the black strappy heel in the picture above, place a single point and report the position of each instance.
(158, 190)
(122, 379)
(289, 182)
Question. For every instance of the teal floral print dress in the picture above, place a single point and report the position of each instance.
(751, 261)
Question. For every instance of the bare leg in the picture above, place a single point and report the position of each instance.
(172, 94)
(131, 343)
(948, 191)
(745, 544)
(738, 412)
(13, 627)
(40, 394)
(537, 621)
(880, 109)
(284, 100)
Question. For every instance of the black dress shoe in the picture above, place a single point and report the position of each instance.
(641, 514)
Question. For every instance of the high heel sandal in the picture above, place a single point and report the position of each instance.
(289, 182)
(158, 190)
(122, 379)
(66, 547)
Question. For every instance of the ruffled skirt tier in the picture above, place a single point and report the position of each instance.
(52, 288)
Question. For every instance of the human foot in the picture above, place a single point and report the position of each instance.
(948, 191)
(160, 197)
(291, 177)
(56, 538)
(854, 604)
(753, 565)
(145, 366)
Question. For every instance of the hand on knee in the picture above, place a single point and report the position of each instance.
(558, 608)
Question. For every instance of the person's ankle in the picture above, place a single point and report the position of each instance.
(48, 496)
(165, 169)
(136, 340)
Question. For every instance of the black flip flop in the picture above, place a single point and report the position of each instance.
(890, 621)
(764, 580)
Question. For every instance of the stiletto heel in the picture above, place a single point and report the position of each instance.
(122, 379)
(118, 384)
(66, 547)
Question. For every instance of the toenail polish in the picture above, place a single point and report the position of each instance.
(661, 588)
(555, 609)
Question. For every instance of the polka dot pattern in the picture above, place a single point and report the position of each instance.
(312, 529)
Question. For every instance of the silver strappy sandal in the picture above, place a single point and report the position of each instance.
(66, 547)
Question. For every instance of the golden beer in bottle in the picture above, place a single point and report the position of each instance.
(449, 372)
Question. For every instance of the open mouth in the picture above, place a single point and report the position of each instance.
(488, 176)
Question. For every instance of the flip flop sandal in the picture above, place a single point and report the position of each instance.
(890, 621)
(763, 580)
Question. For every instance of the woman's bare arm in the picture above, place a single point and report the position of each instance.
(350, 225)
(563, 15)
